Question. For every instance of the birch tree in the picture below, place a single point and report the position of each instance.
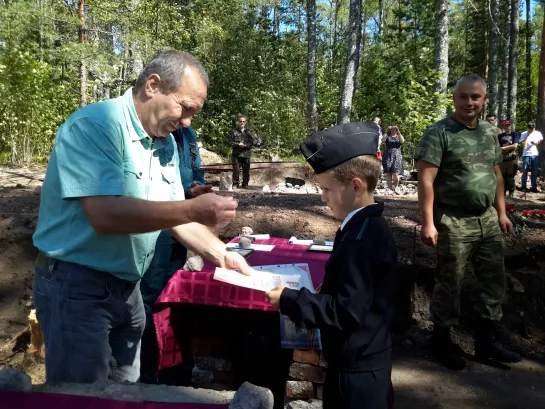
(352, 62)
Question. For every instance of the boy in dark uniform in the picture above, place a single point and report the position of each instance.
(355, 305)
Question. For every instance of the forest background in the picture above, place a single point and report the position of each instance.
(291, 66)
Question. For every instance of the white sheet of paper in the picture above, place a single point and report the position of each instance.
(260, 236)
(316, 247)
(295, 240)
(265, 278)
(256, 247)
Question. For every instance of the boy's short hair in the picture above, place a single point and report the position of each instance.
(365, 167)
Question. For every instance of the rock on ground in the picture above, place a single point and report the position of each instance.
(194, 263)
(209, 157)
(246, 231)
(301, 404)
(249, 396)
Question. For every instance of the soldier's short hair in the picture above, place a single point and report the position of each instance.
(470, 78)
(365, 167)
(170, 66)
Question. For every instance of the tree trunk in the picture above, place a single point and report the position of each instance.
(335, 21)
(528, 61)
(311, 65)
(440, 57)
(364, 35)
(380, 16)
(513, 57)
(352, 62)
(276, 19)
(502, 107)
(540, 120)
(83, 62)
(493, 58)
(399, 17)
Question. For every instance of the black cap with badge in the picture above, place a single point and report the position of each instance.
(326, 149)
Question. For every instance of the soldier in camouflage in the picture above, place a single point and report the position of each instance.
(461, 199)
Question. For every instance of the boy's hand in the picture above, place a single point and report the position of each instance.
(273, 296)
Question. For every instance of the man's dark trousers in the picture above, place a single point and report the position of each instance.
(243, 162)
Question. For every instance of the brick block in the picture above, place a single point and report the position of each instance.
(320, 392)
(302, 390)
(203, 347)
(226, 378)
(200, 378)
(306, 372)
(322, 362)
(209, 363)
(306, 356)
(206, 346)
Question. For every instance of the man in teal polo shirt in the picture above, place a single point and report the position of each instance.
(111, 185)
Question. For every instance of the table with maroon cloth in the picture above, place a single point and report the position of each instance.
(21, 400)
(201, 288)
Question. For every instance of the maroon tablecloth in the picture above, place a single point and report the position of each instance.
(20, 400)
(201, 288)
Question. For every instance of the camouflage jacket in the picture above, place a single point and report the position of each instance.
(466, 159)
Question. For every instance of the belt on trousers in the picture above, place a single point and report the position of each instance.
(460, 211)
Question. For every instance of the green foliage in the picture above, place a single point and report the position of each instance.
(255, 69)
(30, 110)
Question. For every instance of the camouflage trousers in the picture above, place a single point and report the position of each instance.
(463, 241)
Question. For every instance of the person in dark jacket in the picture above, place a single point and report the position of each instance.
(241, 142)
(509, 141)
(170, 255)
(354, 307)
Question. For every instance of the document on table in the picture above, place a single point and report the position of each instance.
(295, 240)
(258, 236)
(265, 278)
(256, 247)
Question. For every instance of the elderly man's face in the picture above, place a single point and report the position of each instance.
(242, 123)
(171, 111)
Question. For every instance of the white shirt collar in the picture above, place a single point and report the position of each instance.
(350, 215)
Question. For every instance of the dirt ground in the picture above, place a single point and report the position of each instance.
(419, 381)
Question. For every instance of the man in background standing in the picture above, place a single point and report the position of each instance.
(241, 142)
(530, 156)
(493, 120)
(509, 140)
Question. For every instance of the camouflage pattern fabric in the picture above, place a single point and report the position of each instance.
(466, 159)
(463, 241)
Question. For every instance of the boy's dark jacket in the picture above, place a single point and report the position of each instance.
(355, 305)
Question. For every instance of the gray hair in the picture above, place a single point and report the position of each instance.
(470, 78)
(170, 66)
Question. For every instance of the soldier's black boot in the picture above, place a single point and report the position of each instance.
(445, 350)
(487, 345)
